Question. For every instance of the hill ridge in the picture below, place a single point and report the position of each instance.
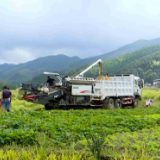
(144, 63)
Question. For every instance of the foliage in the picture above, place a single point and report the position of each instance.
(116, 53)
(114, 134)
(95, 144)
(3, 83)
(143, 63)
(144, 142)
(66, 127)
(40, 155)
(17, 74)
(158, 84)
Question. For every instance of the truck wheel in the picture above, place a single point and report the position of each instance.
(118, 104)
(109, 104)
(135, 103)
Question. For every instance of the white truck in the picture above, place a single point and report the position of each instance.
(120, 91)
(110, 92)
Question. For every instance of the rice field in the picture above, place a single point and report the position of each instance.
(30, 132)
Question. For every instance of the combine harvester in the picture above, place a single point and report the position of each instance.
(114, 91)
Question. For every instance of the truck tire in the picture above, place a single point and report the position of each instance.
(108, 103)
(118, 104)
(135, 103)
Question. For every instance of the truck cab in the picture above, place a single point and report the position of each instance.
(138, 85)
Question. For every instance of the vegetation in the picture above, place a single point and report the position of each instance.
(144, 63)
(158, 85)
(116, 53)
(40, 155)
(81, 134)
(3, 83)
(17, 74)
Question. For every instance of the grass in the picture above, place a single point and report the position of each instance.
(146, 142)
(40, 154)
(130, 134)
(151, 93)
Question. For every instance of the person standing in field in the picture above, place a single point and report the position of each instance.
(6, 97)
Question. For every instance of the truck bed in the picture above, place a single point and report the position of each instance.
(120, 85)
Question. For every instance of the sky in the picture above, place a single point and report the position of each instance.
(30, 29)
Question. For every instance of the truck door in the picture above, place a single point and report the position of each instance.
(136, 87)
(140, 86)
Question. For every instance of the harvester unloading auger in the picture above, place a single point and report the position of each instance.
(108, 92)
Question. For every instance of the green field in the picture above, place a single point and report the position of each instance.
(30, 132)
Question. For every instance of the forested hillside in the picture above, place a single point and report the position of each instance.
(16, 74)
(3, 83)
(116, 53)
(144, 63)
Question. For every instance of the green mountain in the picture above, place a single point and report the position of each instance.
(120, 51)
(144, 63)
(16, 74)
(3, 83)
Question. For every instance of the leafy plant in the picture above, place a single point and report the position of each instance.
(95, 144)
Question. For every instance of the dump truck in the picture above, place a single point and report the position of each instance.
(112, 91)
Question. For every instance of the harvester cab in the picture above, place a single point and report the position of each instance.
(47, 88)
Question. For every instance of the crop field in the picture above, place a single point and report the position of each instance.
(30, 132)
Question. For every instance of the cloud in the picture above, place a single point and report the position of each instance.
(17, 55)
(33, 28)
